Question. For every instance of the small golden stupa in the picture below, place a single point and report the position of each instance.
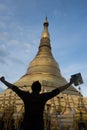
(67, 111)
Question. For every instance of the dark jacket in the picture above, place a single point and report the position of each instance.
(34, 106)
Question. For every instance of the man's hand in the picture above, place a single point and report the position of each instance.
(71, 81)
(2, 79)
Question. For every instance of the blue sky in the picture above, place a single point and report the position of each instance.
(21, 26)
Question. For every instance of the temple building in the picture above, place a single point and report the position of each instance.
(66, 111)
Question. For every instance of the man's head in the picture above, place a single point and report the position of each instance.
(36, 86)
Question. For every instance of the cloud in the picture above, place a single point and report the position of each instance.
(74, 68)
(3, 53)
(4, 36)
(16, 42)
(3, 8)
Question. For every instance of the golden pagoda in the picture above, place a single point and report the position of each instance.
(67, 111)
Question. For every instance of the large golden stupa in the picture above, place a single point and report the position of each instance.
(67, 111)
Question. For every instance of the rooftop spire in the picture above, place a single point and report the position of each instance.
(45, 33)
(45, 38)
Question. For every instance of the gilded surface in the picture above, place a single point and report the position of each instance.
(67, 111)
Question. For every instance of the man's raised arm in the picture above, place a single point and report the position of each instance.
(62, 88)
(56, 91)
(18, 91)
(9, 85)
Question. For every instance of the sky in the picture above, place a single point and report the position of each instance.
(21, 26)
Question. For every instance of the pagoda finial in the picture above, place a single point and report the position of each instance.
(45, 38)
(46, 17)
(46, 22)
(45, 33)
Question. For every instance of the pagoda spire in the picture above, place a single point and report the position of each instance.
(45, 33)
(45, 37)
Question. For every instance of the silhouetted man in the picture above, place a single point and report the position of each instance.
(34, 103)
